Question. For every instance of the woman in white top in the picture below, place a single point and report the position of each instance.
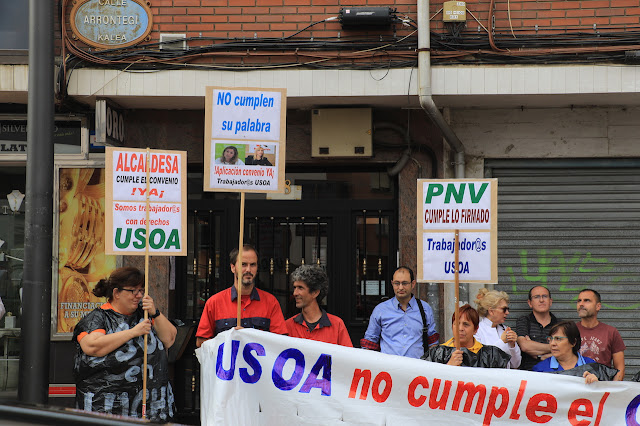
(493, 307)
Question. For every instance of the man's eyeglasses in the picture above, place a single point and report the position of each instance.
(540, 296)
(400, 283)
(134, 291)
(556, 338)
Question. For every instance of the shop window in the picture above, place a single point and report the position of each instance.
(14, 25)
(12, 226)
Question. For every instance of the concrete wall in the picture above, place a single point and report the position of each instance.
(588, 132)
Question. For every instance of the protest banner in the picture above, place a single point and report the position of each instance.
(251, 377)
(245, 139)
(126, 202)
(469, 206)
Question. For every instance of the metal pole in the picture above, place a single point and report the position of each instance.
(36, 283)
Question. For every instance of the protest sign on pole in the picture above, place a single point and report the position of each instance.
(145, 210)
(469, 206)
(126, 202)
(251, 377)
(244, 146)
(245, 139)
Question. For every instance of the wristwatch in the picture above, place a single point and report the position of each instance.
(157, 314)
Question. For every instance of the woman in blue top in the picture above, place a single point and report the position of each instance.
(564, 342)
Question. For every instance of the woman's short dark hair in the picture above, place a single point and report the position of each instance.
(127, 276)
(468, 311)
(314, 277)
(570, 329)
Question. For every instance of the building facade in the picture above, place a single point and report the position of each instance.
(542, 95)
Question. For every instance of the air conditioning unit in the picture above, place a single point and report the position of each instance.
(341, 132)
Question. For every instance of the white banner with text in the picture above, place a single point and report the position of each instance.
(251, 377)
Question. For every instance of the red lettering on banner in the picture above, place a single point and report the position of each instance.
(600, 407)
(163, 163)
(433, 396)
(514, 411)
(422, 381)
(358, 374)
(580, 407)
(119, 164)
(492, 410)
(471, 391)
(551, 406)
(377, 396)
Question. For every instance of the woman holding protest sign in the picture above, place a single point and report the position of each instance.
(564, 342)
(493, 307)
(472, 353)
(110, 351)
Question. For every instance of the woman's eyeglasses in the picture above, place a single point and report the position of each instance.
(134, 291)
(556, 338)
(504, 309)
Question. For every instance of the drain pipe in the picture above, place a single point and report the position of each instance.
(426, 102)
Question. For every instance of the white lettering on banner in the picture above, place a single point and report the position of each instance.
(284, 380)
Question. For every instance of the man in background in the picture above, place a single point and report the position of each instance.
(310, 286)
(600, 341)
(402, 325)
(533, 328)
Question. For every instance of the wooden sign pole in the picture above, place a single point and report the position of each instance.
(239, 259)
(456, 328)
(146, 291)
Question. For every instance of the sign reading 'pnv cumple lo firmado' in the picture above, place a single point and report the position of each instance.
(469, 206)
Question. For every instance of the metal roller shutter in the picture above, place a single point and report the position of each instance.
(568, 225)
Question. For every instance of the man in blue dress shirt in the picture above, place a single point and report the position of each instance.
(396, 325)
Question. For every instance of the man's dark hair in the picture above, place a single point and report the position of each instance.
(314, 277)
(570, 330)
(233, 256)
(592, 291)
(536, 286)
(406, 268)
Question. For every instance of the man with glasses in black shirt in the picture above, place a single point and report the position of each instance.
(533, 329)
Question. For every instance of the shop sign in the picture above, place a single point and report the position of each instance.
(13, 135)
(109, 124)
(111, 23)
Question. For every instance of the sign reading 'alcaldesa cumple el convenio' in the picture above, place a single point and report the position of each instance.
(470, 206)
(126, 202)
(245, 139)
